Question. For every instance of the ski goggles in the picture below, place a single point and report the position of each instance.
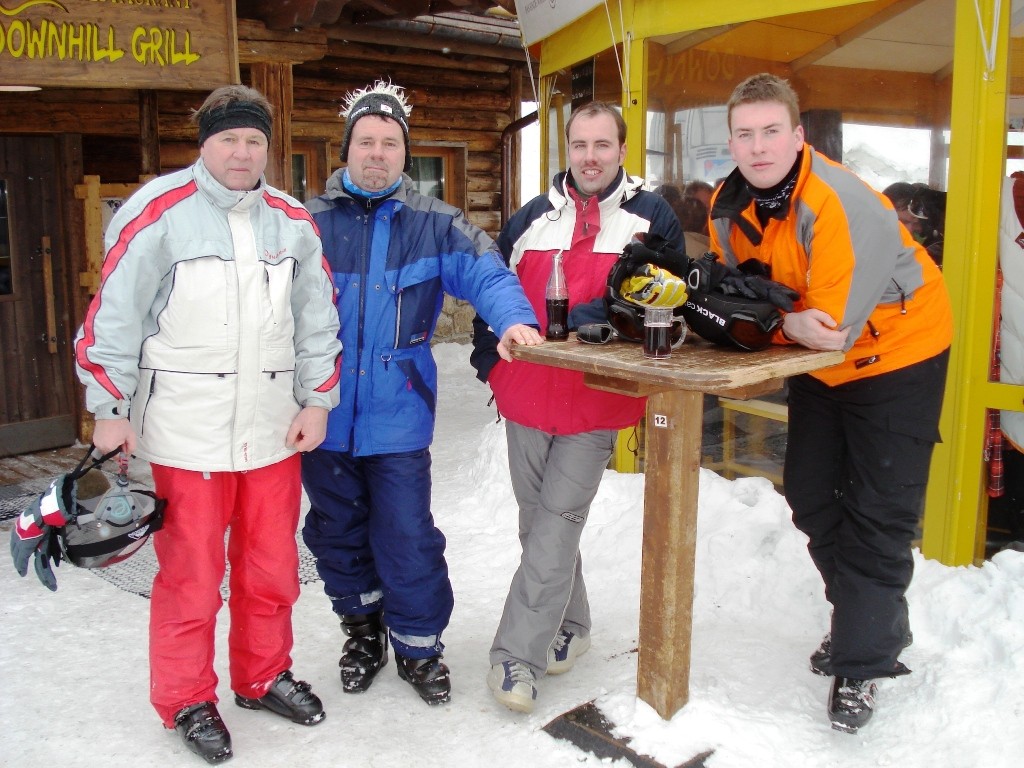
(627, 323)
(747, 332)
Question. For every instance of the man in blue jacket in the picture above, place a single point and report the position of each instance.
(394, 254)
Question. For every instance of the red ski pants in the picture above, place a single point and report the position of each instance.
(262, 509)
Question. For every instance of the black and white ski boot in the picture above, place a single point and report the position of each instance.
(289, 698)
(364, 653)
(203, 732)
(430, 677)
(850, 703)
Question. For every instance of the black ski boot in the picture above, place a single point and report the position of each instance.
(289, 698)
(203, 732)
(851, 703)
(821, 659)
(364, 653)
(430, 678)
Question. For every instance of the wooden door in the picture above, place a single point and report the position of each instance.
(36, 392)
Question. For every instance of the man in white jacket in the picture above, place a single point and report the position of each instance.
(1007, 510)
(211, 351)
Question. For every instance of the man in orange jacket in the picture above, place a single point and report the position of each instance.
(861, 432)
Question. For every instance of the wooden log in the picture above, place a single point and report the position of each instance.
(308, 89)
(178, 154)
(315, 129)
(275, 82)
(488, 221)
(72, 117)
(407, 76)
(310, 109)
(484, 165)
(475, 141)
(259, 45)
(484, 184)
(376, 36)
(149, 132)
(487, 201)
(337, 49)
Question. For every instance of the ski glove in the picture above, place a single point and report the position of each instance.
(757, 287)
(648, 248)
(750, 280)
(34, 533)
(652, 286)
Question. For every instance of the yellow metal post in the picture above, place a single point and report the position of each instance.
(977, 147)
(627, 456)
(634, 104)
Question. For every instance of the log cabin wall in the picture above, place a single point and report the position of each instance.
(463, 94)
(457, 99)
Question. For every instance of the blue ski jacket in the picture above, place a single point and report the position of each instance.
(393, 261)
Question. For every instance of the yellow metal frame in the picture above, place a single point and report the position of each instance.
(656, 17)
(952, 533)
(956, 491)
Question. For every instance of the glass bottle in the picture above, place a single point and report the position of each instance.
(556, 300)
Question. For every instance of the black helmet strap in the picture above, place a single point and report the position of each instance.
(97, 461)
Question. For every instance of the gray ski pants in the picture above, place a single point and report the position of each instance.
(555, 479)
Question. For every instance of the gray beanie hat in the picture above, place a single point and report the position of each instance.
(383, 99)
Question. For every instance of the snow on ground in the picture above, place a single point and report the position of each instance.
(73, 664)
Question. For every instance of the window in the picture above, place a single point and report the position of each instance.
(427, 175)
(299, 189)
(439, 170)
(310, 169)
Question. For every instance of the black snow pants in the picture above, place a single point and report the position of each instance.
(857, 461)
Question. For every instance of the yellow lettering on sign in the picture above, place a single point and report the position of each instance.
(82, 42)
(181, 4)
(91, 42)
(153, 45)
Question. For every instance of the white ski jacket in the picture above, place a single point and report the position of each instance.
(213, 325)
(1011, 259)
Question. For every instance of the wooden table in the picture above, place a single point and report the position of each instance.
(676, 389)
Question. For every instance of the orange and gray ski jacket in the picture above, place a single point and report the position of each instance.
(841, 246)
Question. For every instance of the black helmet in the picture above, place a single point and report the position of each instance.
(733, 321)
(624, 316)
(107, 523)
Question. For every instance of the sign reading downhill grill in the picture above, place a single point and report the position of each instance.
(152, 44)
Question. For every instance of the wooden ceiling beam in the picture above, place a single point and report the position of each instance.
(847, 36)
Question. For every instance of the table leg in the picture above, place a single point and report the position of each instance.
(672, 468)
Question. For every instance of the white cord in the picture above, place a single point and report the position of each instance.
(611, 32)
(988, 47)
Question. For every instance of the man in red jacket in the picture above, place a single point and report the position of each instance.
(560, 432)
(861, 432)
